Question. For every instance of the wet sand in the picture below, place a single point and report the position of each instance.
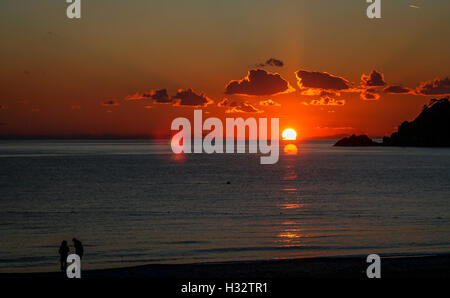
(435, 266)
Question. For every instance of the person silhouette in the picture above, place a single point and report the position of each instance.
(78, 247)
(63, 253)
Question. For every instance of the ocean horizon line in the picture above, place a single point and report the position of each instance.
(136, 137)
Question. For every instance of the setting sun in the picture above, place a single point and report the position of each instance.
(289, 134)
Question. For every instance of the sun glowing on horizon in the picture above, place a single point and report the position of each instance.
(289, 134)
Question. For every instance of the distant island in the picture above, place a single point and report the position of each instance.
(357, 141)
(430, 129)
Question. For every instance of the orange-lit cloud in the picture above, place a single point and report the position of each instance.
(136, 96)
(224, 102)
(370, 94)
(327, 101)
(243, 107)
(238, 107)
(75, 107)
(259, 82)
(269, 103)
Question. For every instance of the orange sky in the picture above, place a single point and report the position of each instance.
(67, 77)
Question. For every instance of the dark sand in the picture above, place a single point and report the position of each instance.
(436, 266)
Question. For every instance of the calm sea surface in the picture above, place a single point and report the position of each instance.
(134, 202)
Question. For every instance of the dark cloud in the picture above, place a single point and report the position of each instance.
(259, 82)
(223, 103)
(187, 97)
(272, 62)
(374, 79)
(269, 103)
(184, 97)
(434, 87)
(320, 81)
(158, 96)
(396, 89)
(110, 103)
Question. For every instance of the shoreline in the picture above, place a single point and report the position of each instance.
(431, 266)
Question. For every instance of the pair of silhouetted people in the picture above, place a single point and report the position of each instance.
(64, 251)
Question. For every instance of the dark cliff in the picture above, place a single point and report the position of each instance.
(430, 129)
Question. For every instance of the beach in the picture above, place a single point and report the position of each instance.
(433, 266)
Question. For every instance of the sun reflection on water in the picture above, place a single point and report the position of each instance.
(290, 149)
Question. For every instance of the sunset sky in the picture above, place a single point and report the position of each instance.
(131, 67)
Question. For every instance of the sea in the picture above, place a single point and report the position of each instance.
(134, 202)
